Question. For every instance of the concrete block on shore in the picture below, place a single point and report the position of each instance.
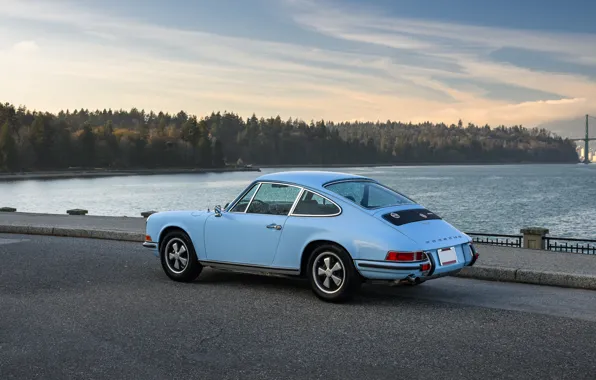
(146, 214)
(77, 211)
(8, 209)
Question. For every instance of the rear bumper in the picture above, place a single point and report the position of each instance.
(385, 270)
(375, 270)
(150, 244)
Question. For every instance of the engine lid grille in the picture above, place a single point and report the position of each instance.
(399, 218)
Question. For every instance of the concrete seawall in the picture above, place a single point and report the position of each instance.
(495, 263)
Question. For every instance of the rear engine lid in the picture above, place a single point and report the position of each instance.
(425, 227)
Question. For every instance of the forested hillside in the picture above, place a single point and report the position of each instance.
(31, 140)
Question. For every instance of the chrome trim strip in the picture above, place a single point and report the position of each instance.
(321, 216)
(273, 183)
(296, 201)
(150, 244)
(363, 179)
(388, 267)
(248, 268)
(240, 196)
(251, 198)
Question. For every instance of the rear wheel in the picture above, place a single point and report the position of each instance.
(178, 257)
(332, 274)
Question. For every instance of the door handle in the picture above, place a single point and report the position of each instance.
(274, 226)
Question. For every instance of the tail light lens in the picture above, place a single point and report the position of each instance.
(405, 256)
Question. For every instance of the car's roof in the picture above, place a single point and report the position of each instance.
(309, 178)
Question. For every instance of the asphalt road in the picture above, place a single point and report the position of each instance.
(92, 309)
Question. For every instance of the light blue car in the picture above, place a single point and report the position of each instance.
(337, 230)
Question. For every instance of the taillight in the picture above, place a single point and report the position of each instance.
(405, 256)
(425, 267)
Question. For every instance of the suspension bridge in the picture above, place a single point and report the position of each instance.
(586, 140)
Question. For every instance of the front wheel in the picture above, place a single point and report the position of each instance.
(178, 257)
(332, 274)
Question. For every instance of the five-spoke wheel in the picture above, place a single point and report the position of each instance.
(178, 257)
(329, 272)
(332, 273)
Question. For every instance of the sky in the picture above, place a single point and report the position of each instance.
(509, 62)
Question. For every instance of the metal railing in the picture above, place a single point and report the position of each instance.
(585, 246)
(558, 244)
(497, 239)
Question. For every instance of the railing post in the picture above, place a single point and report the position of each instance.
(533, 237)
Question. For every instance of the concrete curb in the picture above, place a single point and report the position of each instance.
(73, 232)
(526, 276)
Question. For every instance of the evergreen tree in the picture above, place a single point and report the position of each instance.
(218, 155)
(8, 150)
(87, 146)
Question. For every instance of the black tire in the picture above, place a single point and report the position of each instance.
(347, 273)
(173, 264)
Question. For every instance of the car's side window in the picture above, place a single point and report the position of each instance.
(312, 204)
(274, 199)
(241, 205)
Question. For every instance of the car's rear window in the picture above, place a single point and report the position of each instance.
(369, 194)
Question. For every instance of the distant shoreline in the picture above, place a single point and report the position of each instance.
(406, 164)
(99, 173)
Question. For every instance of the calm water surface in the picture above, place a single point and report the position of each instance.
(497, 199)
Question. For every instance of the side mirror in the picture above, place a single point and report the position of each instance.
(217, 211)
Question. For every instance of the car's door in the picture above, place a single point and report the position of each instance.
(250, 232)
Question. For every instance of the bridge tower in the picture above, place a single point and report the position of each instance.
(586, 141)
(587, 144)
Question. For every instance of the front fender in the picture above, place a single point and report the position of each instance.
(190, 222)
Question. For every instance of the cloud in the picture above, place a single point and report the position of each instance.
(157, 67)
(25, 47)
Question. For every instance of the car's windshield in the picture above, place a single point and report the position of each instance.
(369, 194)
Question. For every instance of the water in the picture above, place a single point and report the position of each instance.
(491, 199)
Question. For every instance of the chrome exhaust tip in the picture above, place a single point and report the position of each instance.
(410, 280)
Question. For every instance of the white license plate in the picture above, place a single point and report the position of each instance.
(447, 256)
